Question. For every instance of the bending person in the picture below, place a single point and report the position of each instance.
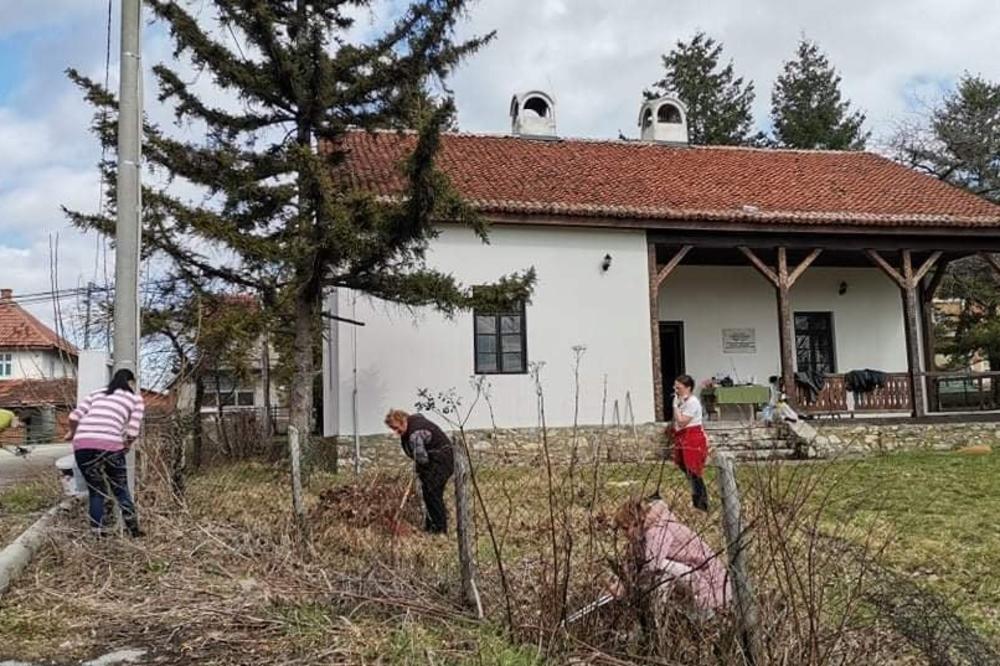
(103, 427)
(430, 449)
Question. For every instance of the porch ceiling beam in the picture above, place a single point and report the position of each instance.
(669, 267)
(887, 268)
(801, 268)
(764, 269)
(956, 243)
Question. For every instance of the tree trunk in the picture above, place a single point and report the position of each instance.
(267, 427)
(301, 402)
(197, 425)
(220, 420)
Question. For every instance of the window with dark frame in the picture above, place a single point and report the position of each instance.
(223, 387)
(814, 346)
(500, 342)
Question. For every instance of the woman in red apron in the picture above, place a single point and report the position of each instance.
(690, 443)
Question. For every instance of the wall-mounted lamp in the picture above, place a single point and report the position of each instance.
(842, 289)
(606, 264)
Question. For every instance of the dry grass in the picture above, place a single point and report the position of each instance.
(226, 578)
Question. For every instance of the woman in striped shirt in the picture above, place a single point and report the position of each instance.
(103, 427)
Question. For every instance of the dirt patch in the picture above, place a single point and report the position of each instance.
(387, 504)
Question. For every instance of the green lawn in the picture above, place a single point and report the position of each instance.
(941, 512)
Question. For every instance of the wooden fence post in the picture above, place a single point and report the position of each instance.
(295, 453)
(732, 526)
(466, 530)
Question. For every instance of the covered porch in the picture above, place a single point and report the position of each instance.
(816, 309)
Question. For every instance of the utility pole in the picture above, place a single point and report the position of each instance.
(125, 351)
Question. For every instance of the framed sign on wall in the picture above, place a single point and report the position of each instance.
(739, 341)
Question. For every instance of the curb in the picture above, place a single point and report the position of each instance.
(15, 557)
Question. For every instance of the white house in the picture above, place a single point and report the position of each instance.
(657, 258)
(37, 372)
(245, 391)
(28, 348)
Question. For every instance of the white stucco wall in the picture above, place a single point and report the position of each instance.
(867, 319)
(575, 303)
(39, 364)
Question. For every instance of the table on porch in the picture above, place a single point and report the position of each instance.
(714, 398)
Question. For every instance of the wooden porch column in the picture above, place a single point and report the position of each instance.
(783, 282)
(927, 294)
(656, 277)
(909, 283)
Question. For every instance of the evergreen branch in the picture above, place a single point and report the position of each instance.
(251, 80)
(188, 105)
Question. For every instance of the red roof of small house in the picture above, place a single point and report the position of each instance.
(19, 329)
(161, 403)
(646, 181)
(20, 393)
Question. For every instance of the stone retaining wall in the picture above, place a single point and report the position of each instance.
(856, 438)
(523, 446)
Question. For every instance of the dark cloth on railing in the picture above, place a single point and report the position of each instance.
(860, 382)
(812, 382)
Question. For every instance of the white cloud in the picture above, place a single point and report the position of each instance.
(597, 56)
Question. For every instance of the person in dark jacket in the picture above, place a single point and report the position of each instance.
(430, 449)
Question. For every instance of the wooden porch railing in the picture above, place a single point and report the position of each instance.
(963, 391)
(833, 399)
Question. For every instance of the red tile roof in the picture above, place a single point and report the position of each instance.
(644, 181)
(19, 329)
(15, 393)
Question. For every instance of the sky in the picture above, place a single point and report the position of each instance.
(594, 56)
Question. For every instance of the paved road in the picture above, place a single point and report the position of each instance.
(41, 460)
(121, 656)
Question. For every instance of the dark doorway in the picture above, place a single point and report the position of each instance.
(671, 361)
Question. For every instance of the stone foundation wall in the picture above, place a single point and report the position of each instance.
(853, 439)
(524, 446)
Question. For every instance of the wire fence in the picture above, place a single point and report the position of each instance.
(555, 550)
(558, 555)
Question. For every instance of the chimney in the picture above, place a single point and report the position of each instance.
(533, 114)
(6, 295)
(663, 120)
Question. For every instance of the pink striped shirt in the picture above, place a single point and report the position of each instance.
(104, 421)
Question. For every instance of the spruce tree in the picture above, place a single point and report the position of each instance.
(276, 203)
(959, 142)
(718, 102)
(806, 106)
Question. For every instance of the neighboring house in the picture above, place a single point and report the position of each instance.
(37, 373)
(28, 348)
(659, 258)
(945, 309)
(242, 390)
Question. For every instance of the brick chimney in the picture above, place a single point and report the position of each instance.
(6, 294)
